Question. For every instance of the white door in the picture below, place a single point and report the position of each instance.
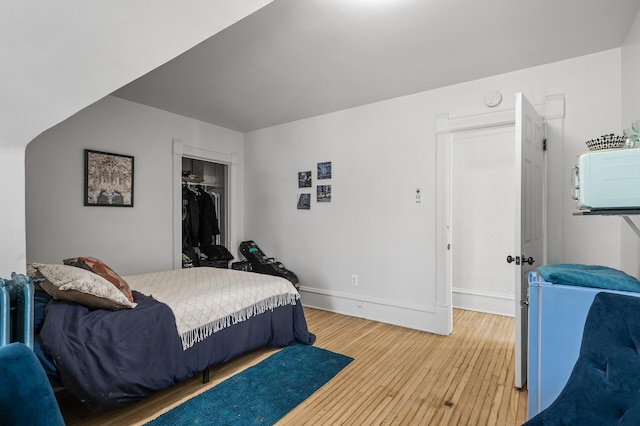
(529, 217)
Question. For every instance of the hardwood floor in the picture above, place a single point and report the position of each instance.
(399, 377)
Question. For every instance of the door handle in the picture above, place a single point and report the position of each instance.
(529, 260)
(512, 259)
(575, 183)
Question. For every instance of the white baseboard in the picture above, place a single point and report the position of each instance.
(491, 303)
(390, 312)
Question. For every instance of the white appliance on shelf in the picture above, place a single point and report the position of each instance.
(607, 179)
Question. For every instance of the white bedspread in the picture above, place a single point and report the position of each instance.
(205, 300)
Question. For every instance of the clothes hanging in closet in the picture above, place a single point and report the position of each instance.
(208, 218)
(216, 203)
(199, 218)
(190, 224)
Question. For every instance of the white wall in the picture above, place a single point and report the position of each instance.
(131, 240)
(381, 153)
(12, 225)
(630, 242)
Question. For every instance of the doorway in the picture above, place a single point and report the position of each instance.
(231, 211)
(211, 178)
(482, 213)
(530, 200)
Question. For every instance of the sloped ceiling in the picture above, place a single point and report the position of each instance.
(59, 57)
(299, 58)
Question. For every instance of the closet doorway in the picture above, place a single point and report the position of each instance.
(207, 180)
(218, 174)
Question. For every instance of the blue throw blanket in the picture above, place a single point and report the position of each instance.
(589, 276)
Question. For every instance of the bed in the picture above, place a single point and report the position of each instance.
(172, 326)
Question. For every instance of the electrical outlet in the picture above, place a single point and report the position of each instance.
(354, 280)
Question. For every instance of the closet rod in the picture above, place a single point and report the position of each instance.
(211, 185)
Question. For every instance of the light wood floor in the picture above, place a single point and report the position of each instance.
(399, 377)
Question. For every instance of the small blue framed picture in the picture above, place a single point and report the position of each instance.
(324, 170)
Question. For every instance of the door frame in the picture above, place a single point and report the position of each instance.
(230, 159)
(551, 111)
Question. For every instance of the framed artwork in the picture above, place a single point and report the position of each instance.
(108, 179)
(324, 170)
(324, 194)
(304, 201)
(304, 179)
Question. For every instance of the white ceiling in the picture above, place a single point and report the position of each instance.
(294, 59)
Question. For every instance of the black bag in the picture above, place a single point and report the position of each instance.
(216, 252)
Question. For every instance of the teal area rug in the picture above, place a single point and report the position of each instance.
(261, 394)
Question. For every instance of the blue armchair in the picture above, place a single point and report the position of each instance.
(26, 397)
(604, 385)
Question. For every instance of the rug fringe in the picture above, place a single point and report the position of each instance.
(196, 335)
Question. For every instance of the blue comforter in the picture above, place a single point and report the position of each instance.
(589, 276)
(110, 359)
